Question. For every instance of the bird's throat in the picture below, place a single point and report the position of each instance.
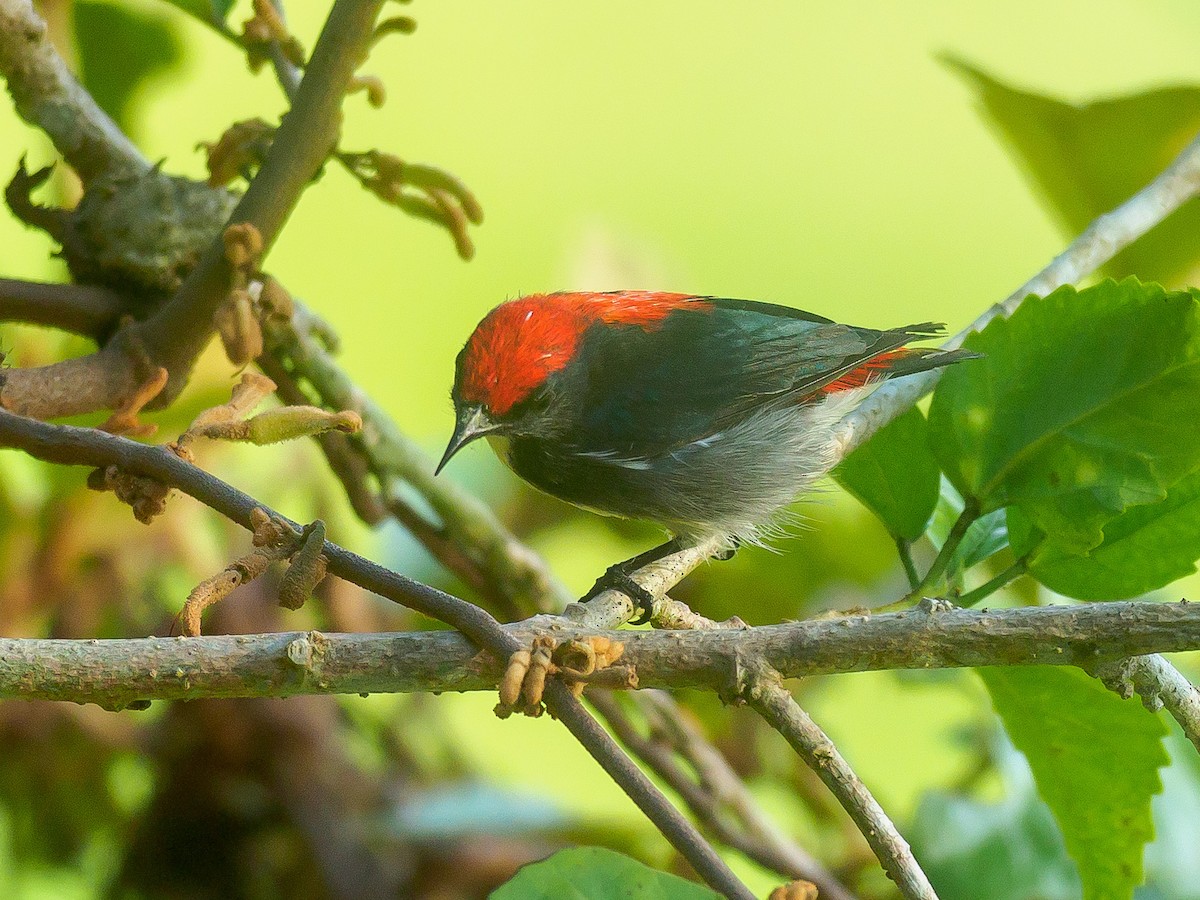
(502, 447)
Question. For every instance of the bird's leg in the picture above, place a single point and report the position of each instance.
(619, 577)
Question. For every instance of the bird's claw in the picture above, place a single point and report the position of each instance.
(617, 578)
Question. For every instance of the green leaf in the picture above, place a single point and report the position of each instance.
(594, 873)
(1087, 159)
(119, 49)
(210, 12)
(895, 475)
(1082, 407)
(1095, 758)
(1144, 549)
(985, 537)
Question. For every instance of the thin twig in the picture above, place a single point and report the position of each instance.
(938, 567)
(904, 550)
(766, 693)
(68, 445)
(977, 595)
(1107, 236)
(715, 791)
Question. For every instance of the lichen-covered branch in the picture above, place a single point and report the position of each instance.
(173, 337)
(112, 672)
(47, 96)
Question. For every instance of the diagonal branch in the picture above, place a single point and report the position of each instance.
(1107, 236)
(48, 96)
(766, 693)
(715, 792)
(488, 552)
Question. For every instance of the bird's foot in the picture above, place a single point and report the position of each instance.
(619, 578)
(578, 662)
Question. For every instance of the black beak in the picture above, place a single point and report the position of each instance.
(472, 423)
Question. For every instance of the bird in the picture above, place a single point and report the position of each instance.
(705, 415)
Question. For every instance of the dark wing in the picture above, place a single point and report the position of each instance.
(708, 365)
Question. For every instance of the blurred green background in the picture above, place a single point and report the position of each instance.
(816, 155)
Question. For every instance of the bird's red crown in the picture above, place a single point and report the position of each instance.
(519, 344)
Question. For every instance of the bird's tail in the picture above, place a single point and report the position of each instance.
(911, 360)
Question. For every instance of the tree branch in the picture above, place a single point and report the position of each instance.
(47, 96)
(1160, 685)
(116, 672)
(81, 309)
(715, 794)
(68, 445)
(176, 334)
(1107, 236)
(775, 703)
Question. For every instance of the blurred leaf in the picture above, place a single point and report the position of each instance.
(119, 49)
(1010, 850)
(594, 873)
(1087, 159)
(1144, 549)
(1082, 407)
(210, 12)
(895, 475)
(1095, 758)
(1172, 863)
(468, 808)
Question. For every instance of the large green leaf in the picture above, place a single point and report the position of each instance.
(1095, 758)
(119, 49)
(1090, 158)
(1145, 548)
(594, 873)
(1082, 407)
(895, 475)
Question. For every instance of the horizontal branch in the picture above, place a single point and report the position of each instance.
(89, 310)
(114, 673)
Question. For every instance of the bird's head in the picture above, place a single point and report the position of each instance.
(506, 376)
